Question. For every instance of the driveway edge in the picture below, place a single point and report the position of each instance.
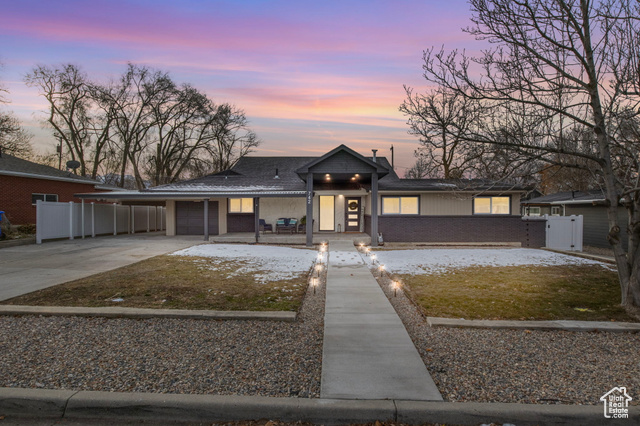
(59, 404)
(140, 313)
(566, 325)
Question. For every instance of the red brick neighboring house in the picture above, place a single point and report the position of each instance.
(23, 182)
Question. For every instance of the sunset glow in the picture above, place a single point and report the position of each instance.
(309, 75)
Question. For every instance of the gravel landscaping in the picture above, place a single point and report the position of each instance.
(523, 366)
(166, 356)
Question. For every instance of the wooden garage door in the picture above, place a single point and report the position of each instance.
(190, 218)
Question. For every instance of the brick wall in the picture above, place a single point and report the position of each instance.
(241, 222)
(460, 229)
(15, 195)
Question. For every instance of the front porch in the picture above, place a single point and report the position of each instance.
(301, 238)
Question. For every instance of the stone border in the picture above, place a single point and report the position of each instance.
(604, 259)
(566, 325)
(140, 313)
(120, 406)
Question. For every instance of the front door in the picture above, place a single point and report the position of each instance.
(352, 214)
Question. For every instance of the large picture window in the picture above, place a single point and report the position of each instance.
(400, 205)
(240, 205)
(44, 197)
(491, 205)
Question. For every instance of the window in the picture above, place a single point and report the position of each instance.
(240, 205)
(491, 205)
(52, 198)
(400, 205)
(555, 210)
(534, 211)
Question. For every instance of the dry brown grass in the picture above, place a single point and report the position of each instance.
(175, 282)
(587, 292)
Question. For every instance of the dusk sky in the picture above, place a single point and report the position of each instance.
(309, 75)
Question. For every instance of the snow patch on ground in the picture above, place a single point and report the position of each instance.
(268, 263)
(437, 261)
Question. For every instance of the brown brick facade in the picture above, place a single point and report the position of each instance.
(460, 229)
(15, 195)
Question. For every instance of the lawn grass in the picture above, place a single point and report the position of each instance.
(175, 282)
(585, 292)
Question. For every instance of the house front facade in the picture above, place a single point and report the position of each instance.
(23, 183)
(341, 192)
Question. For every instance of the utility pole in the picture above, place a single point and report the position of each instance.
(59, 149)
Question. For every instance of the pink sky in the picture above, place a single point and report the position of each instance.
(309, 75)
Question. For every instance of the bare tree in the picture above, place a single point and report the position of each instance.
(440, 119)
(232, 137)
(561, 64)
(14, 139)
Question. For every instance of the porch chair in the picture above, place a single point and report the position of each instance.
(264, 226)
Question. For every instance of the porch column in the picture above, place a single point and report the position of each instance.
(374, 209)
(206, 220)
(309, 227)
(256, 210)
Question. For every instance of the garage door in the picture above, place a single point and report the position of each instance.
(190, 218)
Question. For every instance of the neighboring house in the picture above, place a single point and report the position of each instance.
(342, 191)
(23, 183)
(590, 204)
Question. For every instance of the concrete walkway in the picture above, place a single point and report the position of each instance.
(29, 268)
(367, 352)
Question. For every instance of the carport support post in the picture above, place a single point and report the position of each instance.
(71, 220)
(93, 220)
(206, 220)
(309, 227)
(374, 209)
(256, 210)
(115, 219)
(82, 218)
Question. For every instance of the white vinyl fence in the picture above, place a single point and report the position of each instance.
(71, 220)
(564, 232)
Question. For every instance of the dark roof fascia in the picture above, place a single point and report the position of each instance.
(187, 195)
(382, 171)
(84, 181)
(578, 197)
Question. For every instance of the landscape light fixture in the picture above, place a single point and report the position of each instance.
(314, 283)
(381, 270)
(396, 284)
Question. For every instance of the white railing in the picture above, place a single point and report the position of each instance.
(71, 220)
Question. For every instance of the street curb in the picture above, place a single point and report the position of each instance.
(116, 406)
(139, 313)
(17, 242)
(565, 325)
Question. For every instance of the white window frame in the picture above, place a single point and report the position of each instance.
(558, 210)
(44, 197)
(531, 213)
(400, 197)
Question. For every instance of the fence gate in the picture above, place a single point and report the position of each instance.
(564, 232)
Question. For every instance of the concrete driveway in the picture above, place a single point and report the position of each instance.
(24, 269)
